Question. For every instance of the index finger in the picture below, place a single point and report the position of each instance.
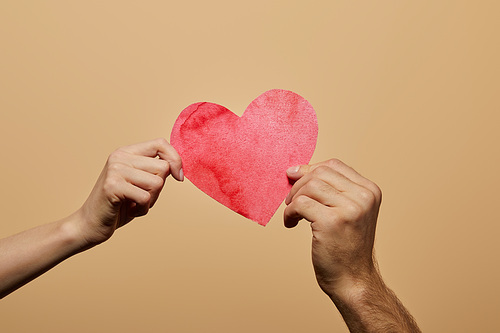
(161, 148)
(340, 167)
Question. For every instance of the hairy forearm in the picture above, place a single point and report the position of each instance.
(28, 254)
(370, 306)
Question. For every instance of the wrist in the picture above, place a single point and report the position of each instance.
(354, 288)
(72, 231)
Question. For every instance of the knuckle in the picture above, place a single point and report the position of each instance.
(144, 199)
(157, 182)
(115, 167)
(312, 185)
(336, 218)
(162, 141)
(163, 165)
(353, 211)
(334, 163)
(162, 144)
(302, 201)
(316, 186)
(294, 209)
(111, 183)
(368, 197)
(377, 191)
(322, 169)
(116, 156)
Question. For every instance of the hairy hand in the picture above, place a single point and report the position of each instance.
(342, 207)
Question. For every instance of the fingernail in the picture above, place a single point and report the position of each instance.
(293, 169)
(181, 174)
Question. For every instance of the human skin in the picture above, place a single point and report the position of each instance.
(127, 187)
(342, 207)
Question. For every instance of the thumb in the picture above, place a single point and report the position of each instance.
(296, 172)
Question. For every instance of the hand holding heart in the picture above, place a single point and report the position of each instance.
(342, 207)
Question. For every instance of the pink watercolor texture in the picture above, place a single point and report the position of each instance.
(241, 161)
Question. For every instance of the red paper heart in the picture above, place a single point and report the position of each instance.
(241, 161)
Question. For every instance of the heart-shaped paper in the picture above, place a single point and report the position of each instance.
(241, 161)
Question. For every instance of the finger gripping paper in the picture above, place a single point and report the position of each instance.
(241, 161)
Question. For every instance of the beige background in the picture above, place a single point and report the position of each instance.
(405, 92)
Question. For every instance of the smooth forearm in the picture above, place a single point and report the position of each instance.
(128, 187)
(370, 306)
(28, 254)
